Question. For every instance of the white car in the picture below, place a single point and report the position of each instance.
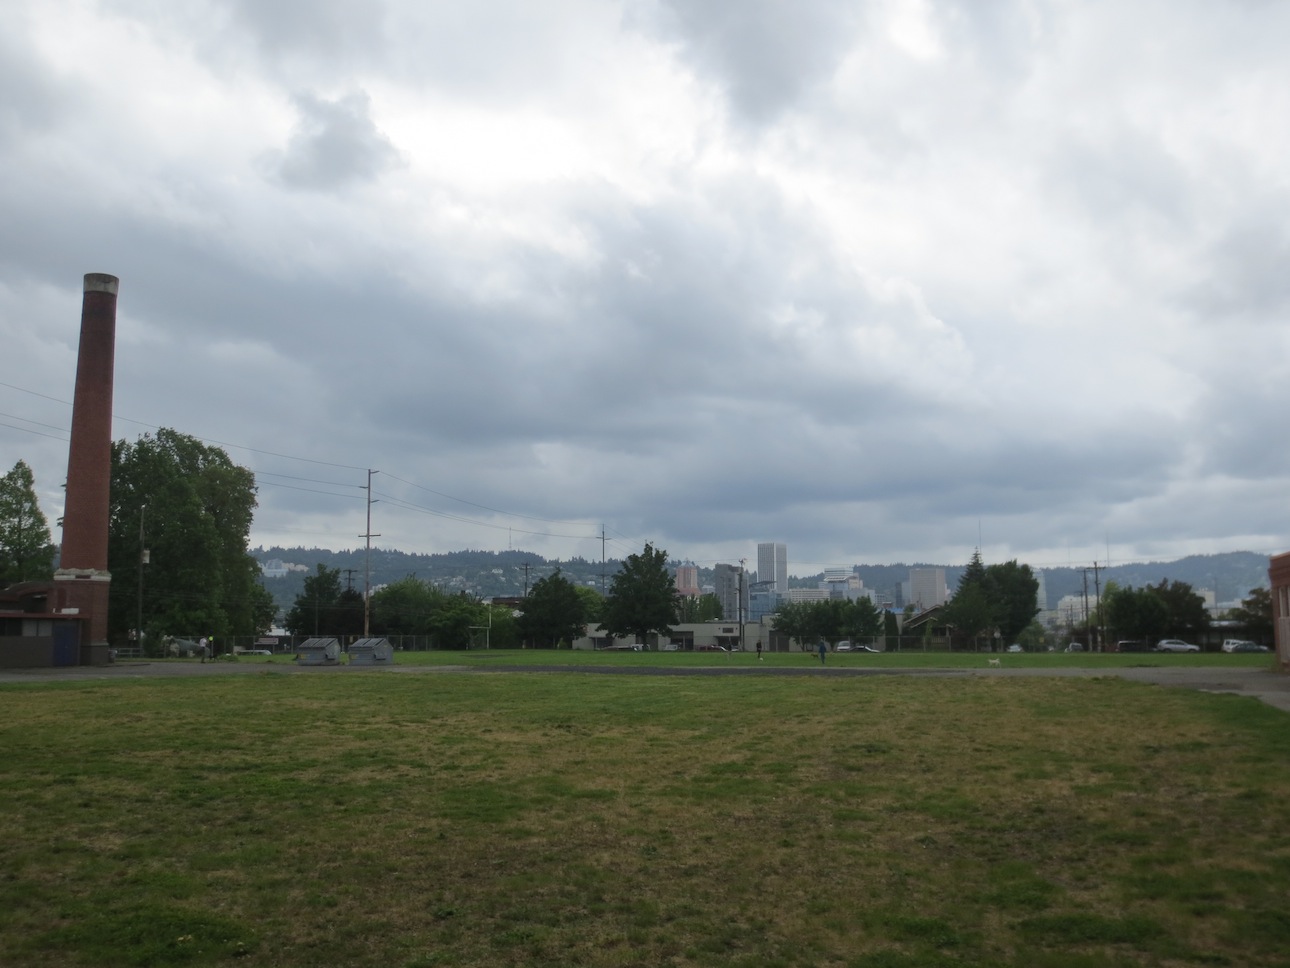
(1176, 645)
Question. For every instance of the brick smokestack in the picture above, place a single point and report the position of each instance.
(84, 559)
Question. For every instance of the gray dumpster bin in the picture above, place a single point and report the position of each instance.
(319, 651)
(371, 652)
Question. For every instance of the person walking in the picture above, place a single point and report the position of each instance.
(759, 650)
(201, 647)
(823, 649)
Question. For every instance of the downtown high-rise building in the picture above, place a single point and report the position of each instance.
(927, 587)
(731, 591)
(772, 565)
(687, 580)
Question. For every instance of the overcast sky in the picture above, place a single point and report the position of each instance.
(880, 279)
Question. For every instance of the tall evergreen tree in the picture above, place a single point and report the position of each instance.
(26, 551)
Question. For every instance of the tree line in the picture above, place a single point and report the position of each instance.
(184, 503)
(642, 600)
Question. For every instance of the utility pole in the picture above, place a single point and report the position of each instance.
(367, 565)
(143, 560)
(349, 578)
(1088, 639)
(526, 579)
(1097, 590)
(602, 561)
(739, 605)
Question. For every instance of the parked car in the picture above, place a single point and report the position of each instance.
(1130, 645)
(1249, 647)
(1241, 645)
(843, 646)
(1074, 647)
(1176, 645)
(710, 648)
(1015, 648)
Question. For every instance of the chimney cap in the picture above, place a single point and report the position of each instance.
(101, 282)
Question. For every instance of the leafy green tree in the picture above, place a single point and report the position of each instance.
(704, 608)
(1136, 613)
(593, 602)
(1001, 597)
(404, 607)
(192, 507)
(863, 619)
(969, 612)
(411, 606)
(1255, 613)
(347, 614)
(1187, 614)
(642, 598)
(505, 631)
(554, 611)
(1014, 593)
(455, 621)
(26, 550)
(794, 620)
(315, 608)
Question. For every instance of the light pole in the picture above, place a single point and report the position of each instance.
(143, 560)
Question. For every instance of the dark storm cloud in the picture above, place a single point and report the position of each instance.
(877, 279)
(765, 55)
(335, 144)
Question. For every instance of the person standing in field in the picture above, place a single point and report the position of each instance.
(823, 649)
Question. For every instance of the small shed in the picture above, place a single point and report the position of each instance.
(320, 651)
(371, 652)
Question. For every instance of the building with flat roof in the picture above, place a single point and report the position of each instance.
(927, 588)
(687, 580)
(772, 565)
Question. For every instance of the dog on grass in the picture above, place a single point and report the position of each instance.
(994, 662)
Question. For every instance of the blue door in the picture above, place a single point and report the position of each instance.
(67, 643)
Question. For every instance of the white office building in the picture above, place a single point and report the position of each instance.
(772, 565)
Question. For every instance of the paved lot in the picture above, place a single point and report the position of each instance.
(1270, 687)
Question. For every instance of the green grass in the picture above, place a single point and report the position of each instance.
(457, 819)
(483, 658)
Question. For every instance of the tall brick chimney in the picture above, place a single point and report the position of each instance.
(82, 577)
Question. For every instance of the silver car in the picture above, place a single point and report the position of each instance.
(1176, 645)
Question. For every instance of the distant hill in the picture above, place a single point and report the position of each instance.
(490, 574)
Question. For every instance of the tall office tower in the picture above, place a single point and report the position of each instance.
(927, 587)
(730, 586)
(1042, 593)
(687, 580)
(772, 565)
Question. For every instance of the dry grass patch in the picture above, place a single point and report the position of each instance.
(603, 821)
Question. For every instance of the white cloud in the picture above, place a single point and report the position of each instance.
(873, 279)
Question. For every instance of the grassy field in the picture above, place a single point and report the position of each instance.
(456, 819)
(483, 658)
